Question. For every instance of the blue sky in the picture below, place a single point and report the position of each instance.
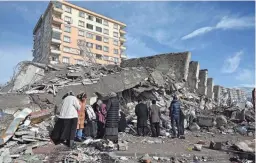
(220, 35)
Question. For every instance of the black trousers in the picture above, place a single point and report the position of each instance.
(141, 130)
(101, 130)
(155, 127)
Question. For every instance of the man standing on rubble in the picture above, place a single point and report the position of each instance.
(65, 127)
(141, 111)
(155, 115)
(175, 116)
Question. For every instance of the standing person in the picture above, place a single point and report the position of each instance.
(141, 111)
(65, 127)
(81, 117)
(182, 130)
(100, 110)
(112, 118)
(155, 115)
(175, 116)
(91, 126)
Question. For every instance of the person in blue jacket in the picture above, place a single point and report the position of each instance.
(175, 116)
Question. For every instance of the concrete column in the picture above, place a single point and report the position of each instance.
(193, 74)
(216, 90)
(202, 85)
(238, 92)
(210, 88)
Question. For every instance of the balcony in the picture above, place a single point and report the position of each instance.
(56, 29)
(55, 51)
(123, 47)
(123, 55)
(122, 39)
(56, 40)
(122, 31)
(57, 20)
(57, 10)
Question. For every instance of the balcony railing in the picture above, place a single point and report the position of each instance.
(122, 39)
(123, 55)
(122, 31)
(56, 29)
(123, 47)
(57, 19)
(57, 10)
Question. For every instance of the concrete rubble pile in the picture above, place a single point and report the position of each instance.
(40, 88)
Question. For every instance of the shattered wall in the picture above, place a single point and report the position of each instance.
(193, 75)
(210, 88)
(202, 85)
(175, 65)
(217, 90)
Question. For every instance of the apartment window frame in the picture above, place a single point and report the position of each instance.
(64, 59)
(105, 22)
(89, 35)
(81, 23)
(98, 38)
(68, 21)
(90, 17)
(79, 34)
(115, 26)
(105, 48)
(105, 57)
(116, 60)
(67, 27)
(98, 28)
(106, 31)
(68, 9)
(81, 14)
(104, 40)
(98, 47)
(115, 34)
(88, 26)
(98, 20)
(116, 51)
(66, 49)
(67, 37)
(115, 42)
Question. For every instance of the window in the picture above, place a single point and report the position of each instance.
(98, 56)
(67, 29)
(66, 39)
(106, 31)
(66, 49)
(67, 19)
(81, 14)
(98, 20)
(116, 59)
(65, 60)
(105, 49)
(89, 26)
(89, 35)
(105, 22)
(68, 9)
(115, 26)
(115, 51)
(81, 23)
(80, 33)
(79, 62)
(90, 17)
(105, 39)
(105, 58)
(115, 34)
(99, 47)
(115, 42)
(99, 38)
(89, 45)
(98, 29)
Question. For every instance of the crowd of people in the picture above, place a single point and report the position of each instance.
(78, 121)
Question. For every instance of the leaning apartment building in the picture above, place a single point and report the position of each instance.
(63, 25)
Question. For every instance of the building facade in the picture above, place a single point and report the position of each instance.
(63, 26)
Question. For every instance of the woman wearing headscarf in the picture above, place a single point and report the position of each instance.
(111, 128)
(81, 116)
(101, 112)
(65, 127)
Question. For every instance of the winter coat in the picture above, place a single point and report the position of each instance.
(155, 113)
(101, 113)
(141, 111)
(112, 117)
(81, 115)
(69, 108)
(175, 109)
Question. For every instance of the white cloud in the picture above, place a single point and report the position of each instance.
(224, 23)
(245, 75)
(232, 63)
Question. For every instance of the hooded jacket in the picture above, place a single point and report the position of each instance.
(175, 109)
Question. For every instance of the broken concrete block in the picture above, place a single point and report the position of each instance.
(146, 159)
(198, 147)
(205, 121)
(123, 146)
(39, 116)
(221, 121)
(194, 127)
(215, 145)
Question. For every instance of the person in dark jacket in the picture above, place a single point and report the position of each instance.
(112, 118)
(155, 115)
(175, 116)
(141, 111)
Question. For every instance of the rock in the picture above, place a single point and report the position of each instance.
(198, 147)
(194, 127)
(29, 150)
(221, 120)
(146, 159)
(245, 146)
(123, 158)
(205, 121)
(122, 146)
(5, 156)
(215, 145)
